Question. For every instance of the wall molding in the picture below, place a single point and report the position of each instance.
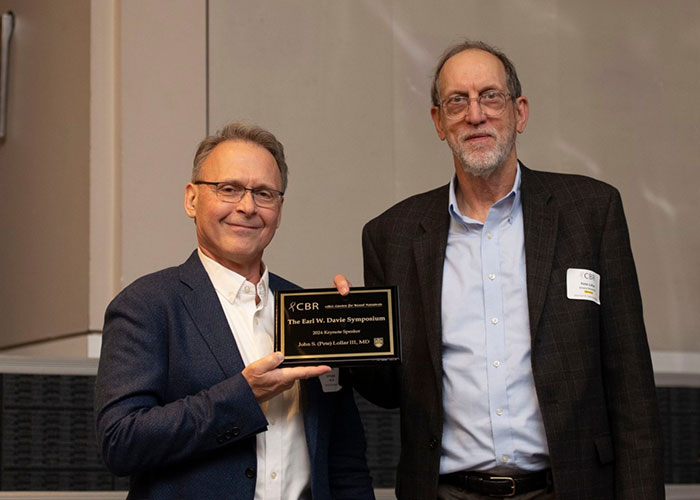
(676, 368)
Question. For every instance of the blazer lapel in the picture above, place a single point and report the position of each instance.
(202, 304)
(429, 252)
(540, 223)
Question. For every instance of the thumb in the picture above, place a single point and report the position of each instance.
(270, 362)
(342, 284)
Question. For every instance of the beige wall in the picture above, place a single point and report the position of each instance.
(44, 161)
(123, 108)
(148, 114)
(162, 117)
(345, 86)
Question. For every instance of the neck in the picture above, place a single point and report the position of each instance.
(251, 271)
(476, 195)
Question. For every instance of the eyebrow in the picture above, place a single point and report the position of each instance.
(485, 89)
(261, 186)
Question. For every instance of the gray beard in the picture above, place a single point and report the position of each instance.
(482, 164)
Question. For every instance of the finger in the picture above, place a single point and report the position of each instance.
(342, 284)
(267, 363)
(264, 378)
(304, 372)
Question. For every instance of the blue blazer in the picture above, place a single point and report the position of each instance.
(174, 411)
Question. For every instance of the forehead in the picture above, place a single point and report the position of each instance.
(472, 69)
(241, 161)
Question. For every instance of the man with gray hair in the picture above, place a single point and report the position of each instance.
(525, 365)
(190, 401)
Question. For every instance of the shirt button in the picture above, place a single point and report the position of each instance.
(505, 459)
(494, 321)
(489, 235)
(247, 289)
(496, 364)
(273, 475)
(492, 276)
(499, 412)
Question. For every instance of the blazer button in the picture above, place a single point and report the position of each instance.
(228, 435)
(220, 439)
(250, 473)
(235, 431)
(432, 444)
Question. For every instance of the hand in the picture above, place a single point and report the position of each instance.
(342, 284)
(267, 381)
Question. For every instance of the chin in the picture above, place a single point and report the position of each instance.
(483, 168)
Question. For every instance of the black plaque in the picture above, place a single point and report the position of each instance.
(321, 327)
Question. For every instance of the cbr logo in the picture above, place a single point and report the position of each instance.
(378, 342)
(589, 276)
(303, 306)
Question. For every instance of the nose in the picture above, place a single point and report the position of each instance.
(247, 205)
(474, 114)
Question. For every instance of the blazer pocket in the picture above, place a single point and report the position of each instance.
(604, 446)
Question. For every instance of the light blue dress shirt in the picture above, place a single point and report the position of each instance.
(492, 416)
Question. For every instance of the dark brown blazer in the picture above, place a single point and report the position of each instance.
(591, 363)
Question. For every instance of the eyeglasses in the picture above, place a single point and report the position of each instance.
(234, 193)
(491, 103)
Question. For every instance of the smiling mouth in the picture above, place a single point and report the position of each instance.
(236, 225)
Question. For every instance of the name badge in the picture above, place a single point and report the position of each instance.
(583, 284)
(330, 382)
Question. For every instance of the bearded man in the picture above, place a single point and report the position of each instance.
(525, 364)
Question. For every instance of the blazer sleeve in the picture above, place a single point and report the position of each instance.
(149, 413)
(627, 370)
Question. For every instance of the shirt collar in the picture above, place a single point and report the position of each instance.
(229, 283)
(506, 205)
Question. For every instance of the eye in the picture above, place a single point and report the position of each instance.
(457, 100)
(230, 189)
(264, 194)
(490, 96)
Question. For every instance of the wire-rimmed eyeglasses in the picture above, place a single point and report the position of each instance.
(230, 192)
(491, 103)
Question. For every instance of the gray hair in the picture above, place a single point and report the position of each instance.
(512, 80)
(238, 131)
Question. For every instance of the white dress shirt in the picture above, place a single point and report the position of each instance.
(492, 415)
(284, 470)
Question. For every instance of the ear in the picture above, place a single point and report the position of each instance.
(279, 213)
(437, 121)
(522, 113)
(191, 196)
